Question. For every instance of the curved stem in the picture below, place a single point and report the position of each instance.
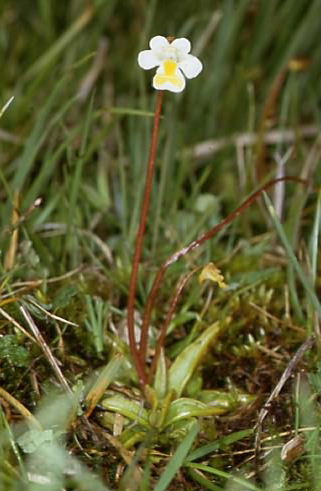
(194, 245)
(171, 311)
(139, 361)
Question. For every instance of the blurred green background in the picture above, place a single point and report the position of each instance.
(80, 96)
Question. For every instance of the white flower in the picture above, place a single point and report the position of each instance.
(173, 60)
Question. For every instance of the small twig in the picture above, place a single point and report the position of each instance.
(22, 286)
(45, 348)
(279, 191)
(276, 391)
(18, 218)
(208, 148)
(139, 360)
(17, 325)
(52, 316)
(20, 408)
(6, 105)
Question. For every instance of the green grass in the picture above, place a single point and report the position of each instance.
(84, 154)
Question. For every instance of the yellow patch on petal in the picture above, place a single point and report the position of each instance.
(169, 75)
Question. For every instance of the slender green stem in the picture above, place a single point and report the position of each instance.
(139, 360)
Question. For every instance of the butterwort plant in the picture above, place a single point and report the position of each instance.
(169, 414)
(174, 62)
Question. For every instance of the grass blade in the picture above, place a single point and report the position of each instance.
(314, 241)
(293, 260)
(222, 442)
(217, 472)
(177, 460)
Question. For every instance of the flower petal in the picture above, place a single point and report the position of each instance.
(168, 85)
(158, 42)
(147, 59)
(191, 66)
(182, 44)
(171, 80)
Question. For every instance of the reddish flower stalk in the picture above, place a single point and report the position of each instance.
(194, 245)
(171, 311)
(139, 361)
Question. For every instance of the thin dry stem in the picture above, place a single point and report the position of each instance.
(45, 348)
(292, 365)
(20, 408)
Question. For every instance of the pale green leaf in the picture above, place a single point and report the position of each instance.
(160, 384)
(186, 362)
(132, 410)
(186, 408)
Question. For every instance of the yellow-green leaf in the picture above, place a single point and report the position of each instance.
(225, 401)
(132, 410)
(107, 375)
(186, 408)
(160, 384)
(183, 367)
